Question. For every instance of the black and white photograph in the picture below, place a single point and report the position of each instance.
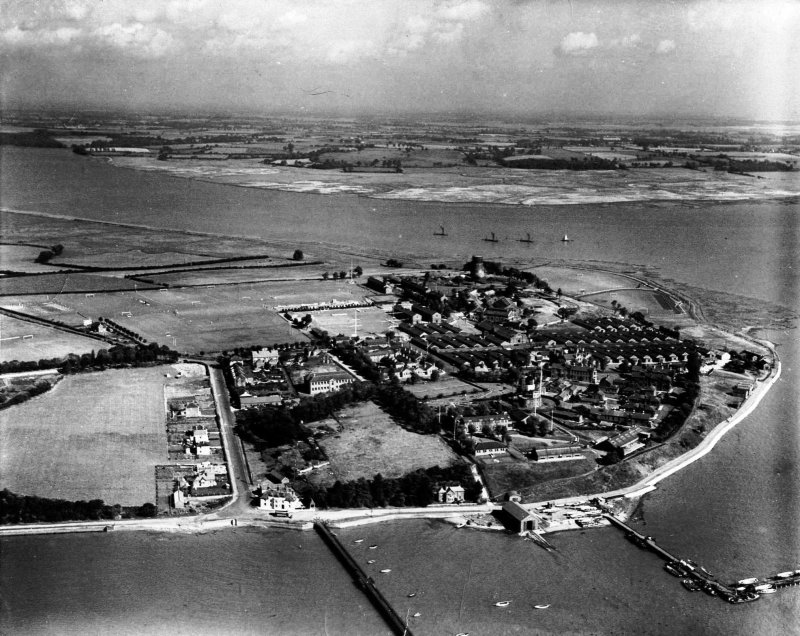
(394, 318)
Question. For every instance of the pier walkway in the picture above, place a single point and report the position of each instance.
(398, 625)
(696, 577)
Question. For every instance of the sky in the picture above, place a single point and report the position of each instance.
(703, 58)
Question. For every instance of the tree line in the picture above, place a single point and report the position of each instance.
(30, 509)
(414, 489)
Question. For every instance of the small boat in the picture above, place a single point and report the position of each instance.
(502, 603)
(372, 547)
(371, 561)
(566, 239)
(673, 569)
(441, 231)
(748, 581)
(492, 239)
(764, 588)
(462, 634)
(416, 615)
(385, 571)
(461, 525)
(541, 606)
(412, 595)
(527, 239)
(784, 575)
(359, 541)
(691, 585)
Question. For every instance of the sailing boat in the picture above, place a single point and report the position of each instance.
(493, 239)
(526, 240)
(441, 231)
(566, 239)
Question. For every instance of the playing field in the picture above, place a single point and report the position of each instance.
(94, 436)
(371, 442)
(362, 320)
(581, 281)
(23, 341)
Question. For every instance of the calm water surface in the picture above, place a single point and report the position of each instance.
(736, 511)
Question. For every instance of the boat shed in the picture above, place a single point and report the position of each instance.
(519, 519)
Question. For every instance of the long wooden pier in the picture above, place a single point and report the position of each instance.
(397, 624)
(698, 578)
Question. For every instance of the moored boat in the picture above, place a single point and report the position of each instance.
(674, 569)
(372, 547)
(359, 541)
(541, 606)
(502, 603)
(784, 575)
(749, 581)
(691, 585)
(371, 561)
(385, 571)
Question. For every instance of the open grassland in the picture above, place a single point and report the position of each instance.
(243, 273)
(655, 305)
(22, 258)
(64, 283)
(94, 436)
(371, 442)
(581, 281)
(45, 343)
(370, 320)
(447, 386)
(510, 474)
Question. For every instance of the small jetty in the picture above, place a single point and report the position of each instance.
(367, 585)
(527, 238)
(697, 578)
(491, 239)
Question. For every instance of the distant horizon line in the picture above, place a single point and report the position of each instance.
(550, 116)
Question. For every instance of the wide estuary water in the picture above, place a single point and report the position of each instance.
(736, 511)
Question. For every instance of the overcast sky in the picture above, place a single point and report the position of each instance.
(705, 57)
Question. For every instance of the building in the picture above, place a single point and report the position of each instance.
(329, 381)
(493, 421)
(276, 495)
(556, 453)
(625, 443)
(265, 358)
(247, 401)
(489, 447)
(450, 494)
(519, 519)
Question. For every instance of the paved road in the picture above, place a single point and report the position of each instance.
(233, 448)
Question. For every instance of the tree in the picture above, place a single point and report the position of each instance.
(298, 255)
(357, 271)
(325, 275)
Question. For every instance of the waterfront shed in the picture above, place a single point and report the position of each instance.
(520, 519)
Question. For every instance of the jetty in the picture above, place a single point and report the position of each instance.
(696, 577)
(360, 578)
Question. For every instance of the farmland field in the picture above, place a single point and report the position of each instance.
(21, 258)
(235, 273)
(94, 436)
(371, 442)
(46, 342)
(63, 283)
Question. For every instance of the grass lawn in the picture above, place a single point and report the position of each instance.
(576, 281)
(46, 342)
(371, 442)
(371, 320)
(511, 474)
(94, 436)
(654, 305)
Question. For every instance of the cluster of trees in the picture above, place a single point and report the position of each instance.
(495, 268)
(356, 272)
(742, 361)
(118, 355)
(29, 509)
(393, 262)
(39, 138)
(124, 331)
(587, 162)
(299, 323)
(45, 255)
(10, 397)
(416, 489)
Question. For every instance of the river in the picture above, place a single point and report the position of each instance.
(736, 511)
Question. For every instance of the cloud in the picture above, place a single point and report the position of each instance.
(665, 46)
(462, 11)
(626, 42)
(139, 39)
(578, 43)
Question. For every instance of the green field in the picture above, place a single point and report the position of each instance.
(370, 320)
(94, 436)
(655, 305)
(47, 342)
(371, 442)
(581, 281)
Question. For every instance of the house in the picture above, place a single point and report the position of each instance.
(520, 519)
(177, 499)
(567, 415)
(186, 409)
(328, 381)
(489, 447)
(265, 358)
(380, 285)
(276, 495)
(199, 435)
(450, 494)
(427, 314)
(493, 421)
